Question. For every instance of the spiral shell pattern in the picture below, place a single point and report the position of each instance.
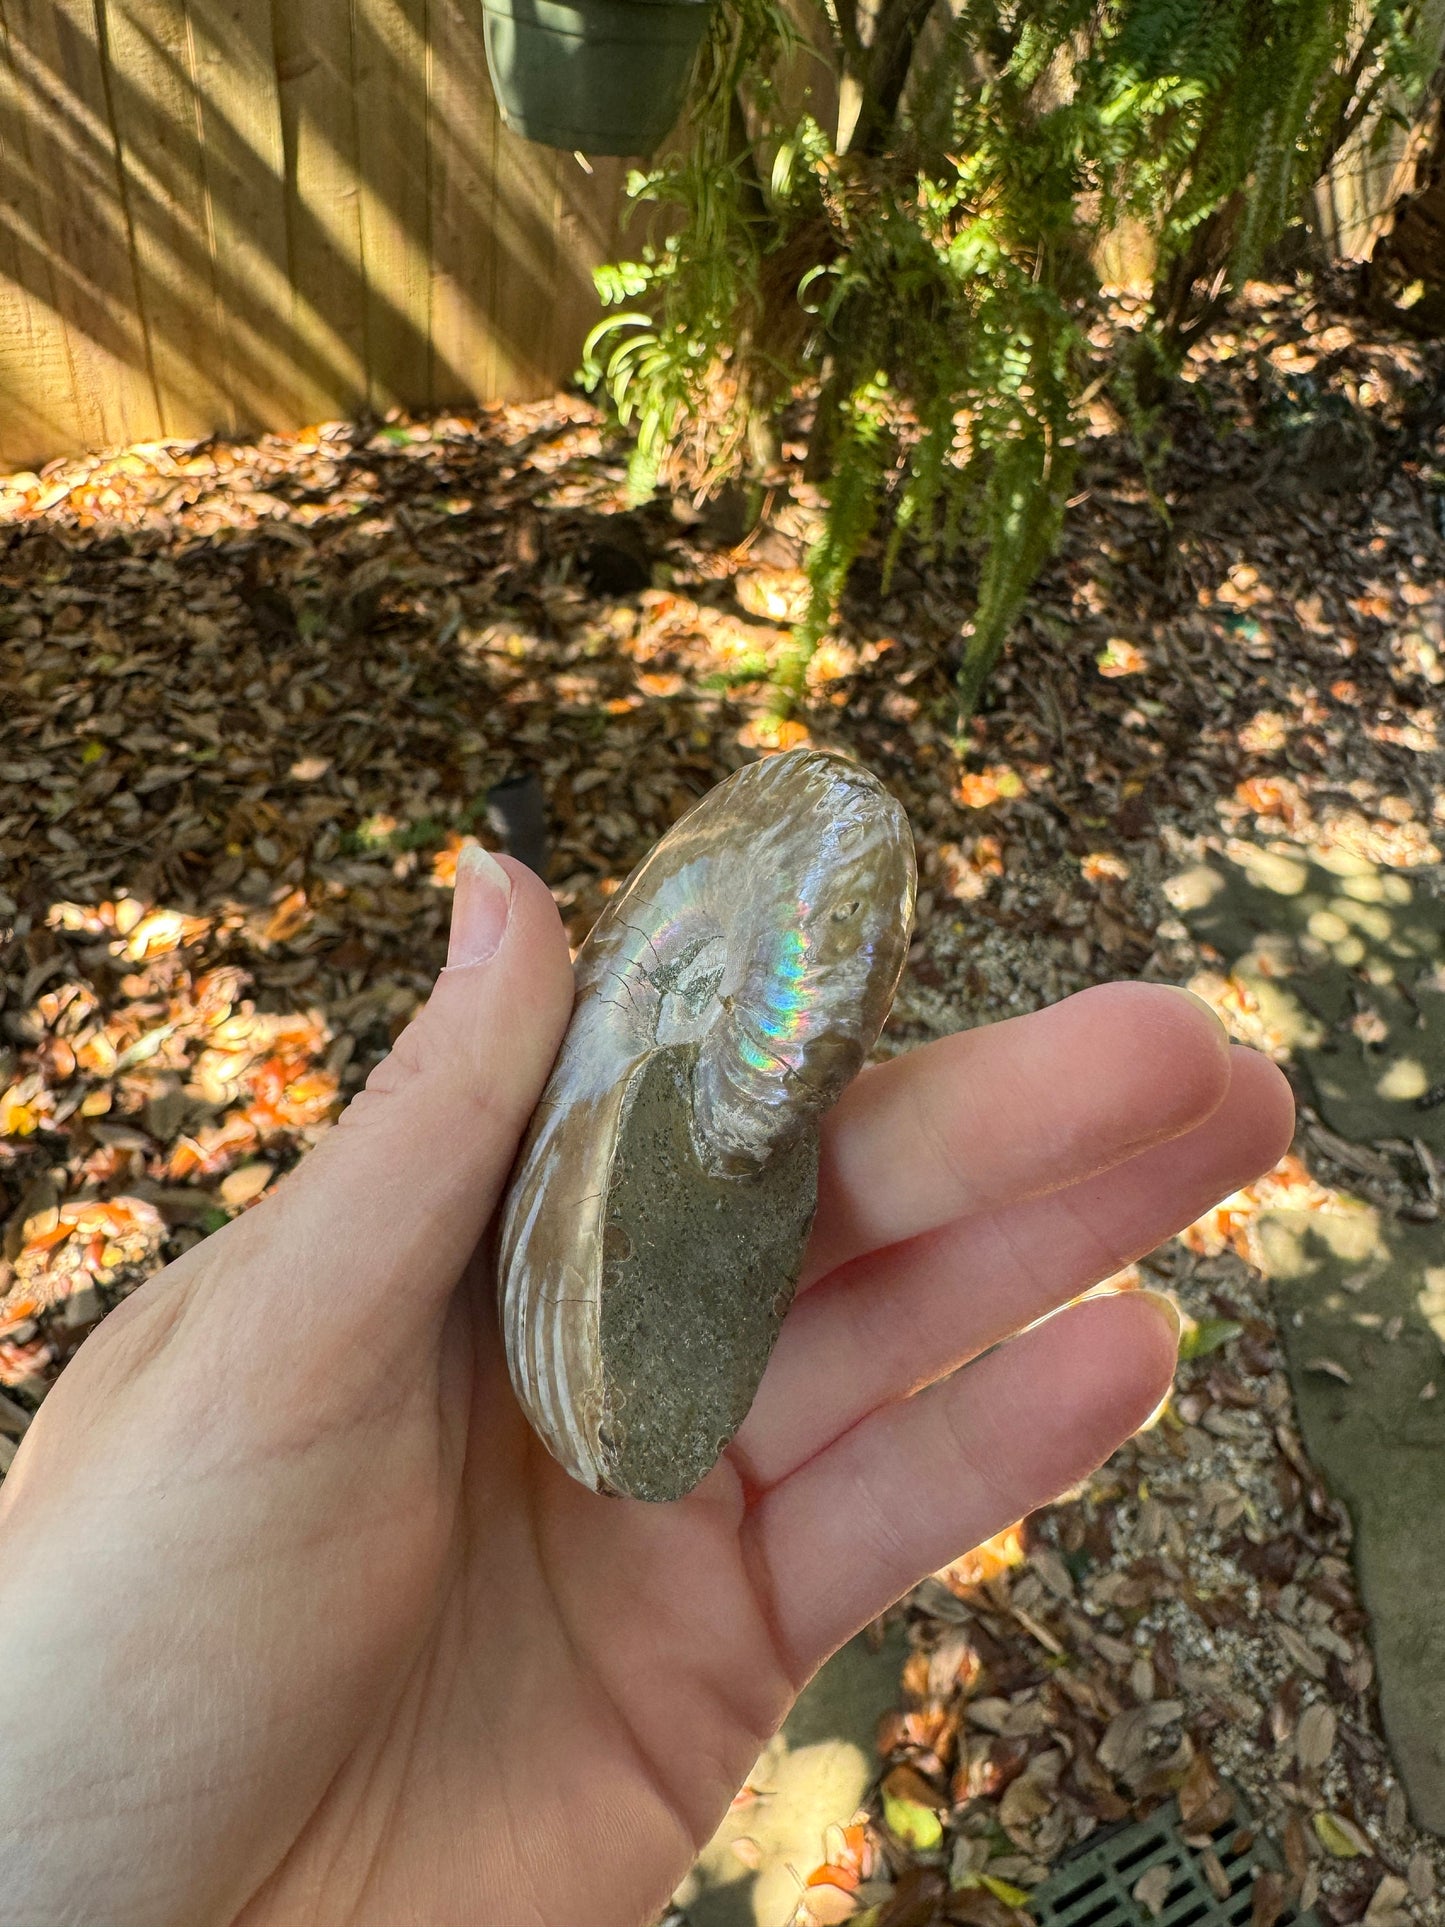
(765, 934)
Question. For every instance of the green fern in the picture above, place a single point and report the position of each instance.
(922, 265)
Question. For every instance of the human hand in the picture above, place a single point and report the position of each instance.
(301, 1627)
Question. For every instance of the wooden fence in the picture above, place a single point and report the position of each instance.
(232, 214)
(223, 215)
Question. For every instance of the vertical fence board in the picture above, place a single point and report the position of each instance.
(244, 168)
(156, 119)
(323, 219)
(589, 208)
(552, 218)
(462, 122)
(1355, 201)
(523, 287)
(64, 136)
(218, 215)
(521, 262)
(392, 128)
(38, 414)
(37, 405)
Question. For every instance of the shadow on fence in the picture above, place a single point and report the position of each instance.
(271, 212)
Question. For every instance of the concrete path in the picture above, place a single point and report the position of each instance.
(1345, 963)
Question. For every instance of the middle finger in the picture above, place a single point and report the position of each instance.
(1011, 1110)
(901, 1319)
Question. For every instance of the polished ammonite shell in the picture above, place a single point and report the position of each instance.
(654, 1228)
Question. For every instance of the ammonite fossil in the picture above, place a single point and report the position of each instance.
(654, 1228)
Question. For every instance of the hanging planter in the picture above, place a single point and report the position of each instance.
(595, 76)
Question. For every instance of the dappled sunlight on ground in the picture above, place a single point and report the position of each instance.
(258, 697)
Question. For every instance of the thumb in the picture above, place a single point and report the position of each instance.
(382, 1216)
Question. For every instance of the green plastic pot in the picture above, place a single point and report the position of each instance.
(594, 76)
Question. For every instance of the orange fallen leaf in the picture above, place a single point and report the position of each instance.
(976, 790)
(163, 931)
(1101, 864)
(289, 916)
(985, 1562)
(1120, 657)
(774, 734)
(212, 1149)
(1271, 796)
(444, 863)
(21, 1111)
(829, 1875)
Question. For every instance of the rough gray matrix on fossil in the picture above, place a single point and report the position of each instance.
(655, 1225)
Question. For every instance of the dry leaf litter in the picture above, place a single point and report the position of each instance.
(255, 698)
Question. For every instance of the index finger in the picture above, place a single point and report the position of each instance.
(1012, 1110)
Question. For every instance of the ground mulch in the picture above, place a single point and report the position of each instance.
(254, 699)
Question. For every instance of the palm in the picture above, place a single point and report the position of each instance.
(557, 1662)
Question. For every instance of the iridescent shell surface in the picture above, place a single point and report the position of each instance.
(756, 950)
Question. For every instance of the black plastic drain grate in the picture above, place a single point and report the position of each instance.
(1096, 1888)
